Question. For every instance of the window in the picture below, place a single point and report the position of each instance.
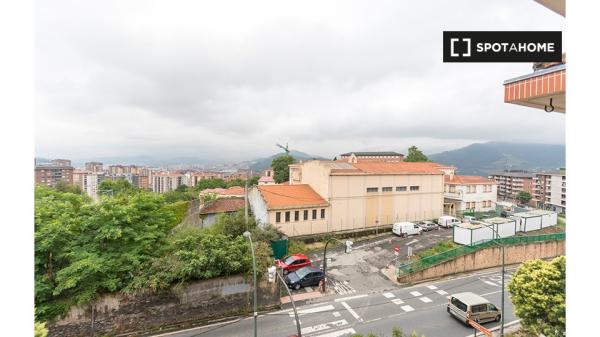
(287, 216)
(322, 213)
(414, 188)
(401, 189)
(386, 189)
(314, 214)
(278, 217)
(372, 189)
(457, 303)
(305, 214)
(452, 188)
(296, 215)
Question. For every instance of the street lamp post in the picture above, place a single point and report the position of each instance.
(249, 236)
(502, 292)
(273, 270)
(348, 250)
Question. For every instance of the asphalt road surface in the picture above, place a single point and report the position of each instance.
(421, 308)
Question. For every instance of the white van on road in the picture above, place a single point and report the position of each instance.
(448, 221)
(406, 228)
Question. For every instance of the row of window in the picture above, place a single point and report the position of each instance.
(473, 204)
(288, 214)
(390, 189)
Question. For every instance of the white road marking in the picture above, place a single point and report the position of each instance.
(389, 295)
(397, 301)
(432, 287)
(314, 310)
(492, 283)
(413, 241)
(324, 326)
(343, 299)
(493, 292)
(415, 293)
(352, 312)
(441, 292)
(336, 314)
(338, 333)
(425, 299)
(407, 308)
(308, 289)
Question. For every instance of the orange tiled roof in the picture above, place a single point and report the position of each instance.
(464, 180)
(223, 205)
(395, 168)
(234, 190)
(290, 196)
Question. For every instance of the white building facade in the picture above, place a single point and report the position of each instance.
(469, 193)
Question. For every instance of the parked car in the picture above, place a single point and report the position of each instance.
(427, 226)
(406, 228)
(469, 218)
(304, 277)
(469, 306)
(448, 221)
(293, 262)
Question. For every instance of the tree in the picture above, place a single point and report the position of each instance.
(524, 197)
(253, 181)
(118, 187)
(281, 170)
(415, 155)
(63, 186)
(538, 293)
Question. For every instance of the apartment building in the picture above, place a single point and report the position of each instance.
(61, 162)
(49, 175)
(332, 196)
(469, 193)
(550, 191)
(165, 181)
(194, 177)
(511, 182)
(90, 183)
(94, 166)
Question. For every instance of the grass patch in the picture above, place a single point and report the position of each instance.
(438, 248)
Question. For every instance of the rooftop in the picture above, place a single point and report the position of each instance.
(290, 196)
(389, 168)
(234, 190)
(465, 180)
(223, 205)
(376, 153)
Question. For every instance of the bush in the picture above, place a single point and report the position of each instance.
(39, 330)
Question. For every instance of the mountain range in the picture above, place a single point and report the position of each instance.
(484, 158)
(475, 159)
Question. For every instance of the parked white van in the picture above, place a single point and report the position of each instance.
(406, 228)
(469, 306)
(448, 221)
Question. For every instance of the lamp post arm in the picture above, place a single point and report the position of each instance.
(293, 303)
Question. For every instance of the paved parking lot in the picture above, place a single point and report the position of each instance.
(361, 270)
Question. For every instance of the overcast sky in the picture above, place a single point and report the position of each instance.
(224, 80)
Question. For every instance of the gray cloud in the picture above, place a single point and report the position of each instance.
(227, 80)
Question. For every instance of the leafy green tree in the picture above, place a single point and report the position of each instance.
(83, 249)
(39, 330)
(253, 181)
(233, 224)
(538, 293)
(210, 183)
(524, 197)
(415, 155)
(63, 186)
(118, 187)
(281, 170)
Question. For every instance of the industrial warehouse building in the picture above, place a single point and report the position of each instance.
(350, 194)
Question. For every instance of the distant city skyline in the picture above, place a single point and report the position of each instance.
(199, 80)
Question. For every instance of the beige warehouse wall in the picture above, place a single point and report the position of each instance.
(354, 208)
(302, 227)
(317, 176)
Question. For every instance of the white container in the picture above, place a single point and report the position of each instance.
(472, 233)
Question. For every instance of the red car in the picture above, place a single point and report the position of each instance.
(293, 262)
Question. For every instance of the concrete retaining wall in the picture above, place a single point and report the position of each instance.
(488, 258)
(180, 306)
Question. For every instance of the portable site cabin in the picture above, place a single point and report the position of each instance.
(504, 226)
(534, 220)
(471, 233)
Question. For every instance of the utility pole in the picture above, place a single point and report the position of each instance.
(249, 237)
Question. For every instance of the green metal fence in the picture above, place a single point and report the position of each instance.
(429, 261)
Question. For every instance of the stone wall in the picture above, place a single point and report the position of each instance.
(488, 258)
(179, 307)
(192, 218)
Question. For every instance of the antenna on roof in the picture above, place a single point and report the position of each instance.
(286, 149)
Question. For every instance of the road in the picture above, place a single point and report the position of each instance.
(421, 308)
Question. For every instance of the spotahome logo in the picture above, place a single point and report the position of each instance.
(513, 46)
